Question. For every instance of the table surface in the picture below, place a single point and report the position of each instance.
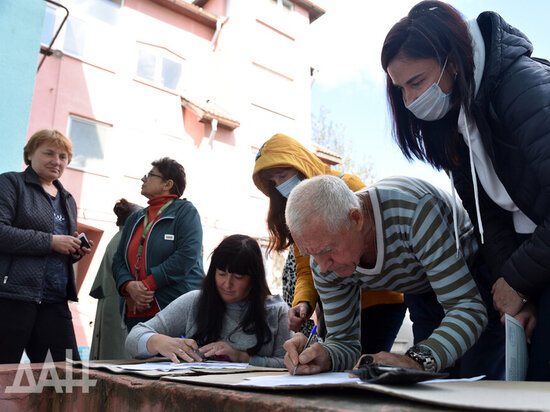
(135, 393)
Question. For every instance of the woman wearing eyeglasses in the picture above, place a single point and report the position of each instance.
(159, 256)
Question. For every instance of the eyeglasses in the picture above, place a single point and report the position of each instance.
(151, 174)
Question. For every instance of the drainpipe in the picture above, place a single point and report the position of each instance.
(214, 124)
(219, 25)
(48, 51)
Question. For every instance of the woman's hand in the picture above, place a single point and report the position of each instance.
(506, 299)
(224, 349)
(298, 315)
(140, 295)
(174, 348)
(65, 244)
(394, 359)
(82, 250)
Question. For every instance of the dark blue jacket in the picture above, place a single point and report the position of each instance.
(26, 233)
(512, 112)
(173, 252)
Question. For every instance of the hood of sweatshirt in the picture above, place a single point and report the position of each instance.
(283, 151)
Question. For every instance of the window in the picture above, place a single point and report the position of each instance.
(76, 35)
(105, 10)
(159, 66)
(48, 30)
(90, 25)
(287, 5)
(146, 65)
(171, 72)
(89, 32)
(89, 140)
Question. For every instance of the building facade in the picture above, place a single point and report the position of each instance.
(203, 82)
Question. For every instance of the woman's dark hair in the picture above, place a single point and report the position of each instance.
(431, 30)
(279, 235)
(242, 255)
(172, 170)
(123, 209)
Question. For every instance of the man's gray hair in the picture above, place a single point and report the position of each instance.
(324, 199)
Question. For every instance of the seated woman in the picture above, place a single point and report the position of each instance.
(233, 316)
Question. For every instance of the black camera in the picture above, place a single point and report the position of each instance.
(84, 240)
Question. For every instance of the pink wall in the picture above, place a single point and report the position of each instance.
(216, 7)
(192, 126)
(149, 122)
(169, 17)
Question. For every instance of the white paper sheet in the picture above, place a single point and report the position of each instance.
(516, 350)
(473, 379)
(170, 366)
(299, 380)
(320, 379)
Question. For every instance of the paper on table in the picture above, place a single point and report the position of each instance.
(516, 350)
(299, 380)
(170, 366)
(319, 379)
(472, 379)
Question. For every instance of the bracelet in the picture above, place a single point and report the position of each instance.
(523, 298)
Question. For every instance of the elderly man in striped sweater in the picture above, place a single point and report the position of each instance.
(400, 234)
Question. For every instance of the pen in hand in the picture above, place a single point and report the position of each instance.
(309, 339)
(196, 351)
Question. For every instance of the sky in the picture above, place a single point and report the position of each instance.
(345, 45)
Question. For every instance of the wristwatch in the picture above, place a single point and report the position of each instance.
(423, 356)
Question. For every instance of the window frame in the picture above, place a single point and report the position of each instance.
(161, 54)
(104, 162)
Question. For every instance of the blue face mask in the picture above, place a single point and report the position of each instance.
(433, 104)
(286, 187)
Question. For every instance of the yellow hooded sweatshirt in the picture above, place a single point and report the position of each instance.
(284, 151)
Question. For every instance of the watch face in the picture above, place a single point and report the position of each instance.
(422, 351)
(423, 356)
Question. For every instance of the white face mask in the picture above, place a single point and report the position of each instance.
(433, 104)
(286, 187)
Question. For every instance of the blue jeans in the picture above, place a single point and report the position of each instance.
(380, 325)
(487, 355)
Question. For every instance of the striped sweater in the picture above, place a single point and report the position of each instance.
(416, 252)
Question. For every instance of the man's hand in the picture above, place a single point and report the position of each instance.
(506, 299)
(174, 348)
(315, 359)
(527, 316)
(394, 359)
(298, 315)
(224, 349)
(141, 296)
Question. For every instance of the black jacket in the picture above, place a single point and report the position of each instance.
(512, 112)
(26, 232)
